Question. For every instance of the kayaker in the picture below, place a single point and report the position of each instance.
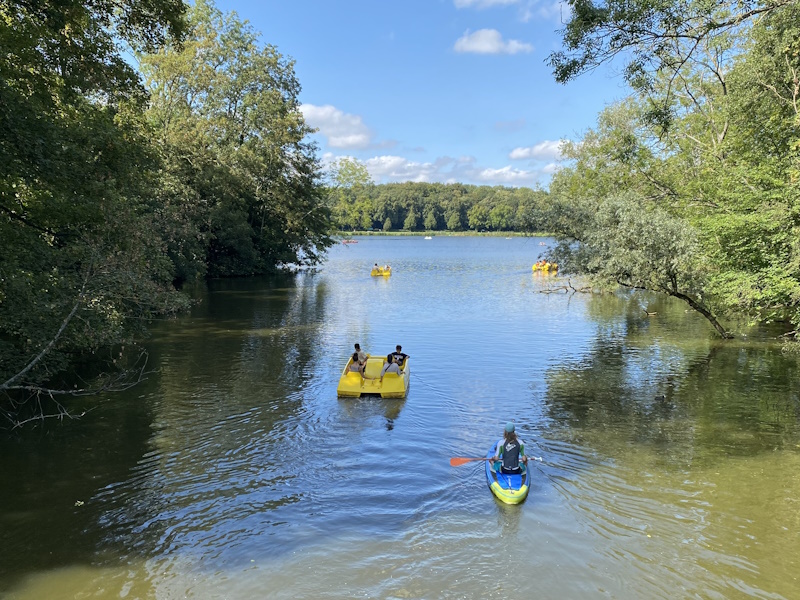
(362, 357)
(389, 367)
(399, 356)
(511, 451)
(357, 366)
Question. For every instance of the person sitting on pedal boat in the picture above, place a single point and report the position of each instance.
(389, 367)
(357, 366)
(362, 356)
(399, 357)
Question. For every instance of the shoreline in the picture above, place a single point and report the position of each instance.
(504, 234)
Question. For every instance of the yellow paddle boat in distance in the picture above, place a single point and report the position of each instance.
(381, 272)
(545, 267)
(352, 385)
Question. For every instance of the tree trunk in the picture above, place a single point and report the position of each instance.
(703, 311)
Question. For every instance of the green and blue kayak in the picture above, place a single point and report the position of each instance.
(511, 489)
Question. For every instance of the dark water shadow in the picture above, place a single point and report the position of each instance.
(96, 492)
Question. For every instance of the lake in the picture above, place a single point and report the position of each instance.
(670, 458)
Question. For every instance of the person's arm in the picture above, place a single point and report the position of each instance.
(497, 449)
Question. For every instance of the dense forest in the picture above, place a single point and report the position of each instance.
(121, 184)
(359, 205)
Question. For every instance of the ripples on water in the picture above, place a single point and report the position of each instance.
(669, 459)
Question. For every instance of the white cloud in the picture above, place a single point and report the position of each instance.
(342, 130)
(546, 150)
(505, 176)
(397, 168)
(482, 3)
(489, 41)
(446, 169)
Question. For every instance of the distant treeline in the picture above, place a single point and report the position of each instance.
(437, 207)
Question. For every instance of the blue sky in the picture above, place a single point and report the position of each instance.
(434, 90)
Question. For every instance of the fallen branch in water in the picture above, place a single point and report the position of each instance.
(566, 289)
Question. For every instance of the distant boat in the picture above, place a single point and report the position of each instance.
(542, 244)
(427, 237)
(349, 241)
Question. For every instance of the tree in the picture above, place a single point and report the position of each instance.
(619, 242)
(711, 140)
(654, 36)
(349, 173)
(478, 217)
(431, 222)
(410, 224)
(80, 269)
(348, 182)
(225, 108)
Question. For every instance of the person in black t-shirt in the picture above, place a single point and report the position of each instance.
(399, 356)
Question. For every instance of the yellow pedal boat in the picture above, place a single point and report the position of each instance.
(546, 267)
(352, 385)
(381, 272)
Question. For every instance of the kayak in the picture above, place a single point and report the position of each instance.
(381, 272)
(511, 489)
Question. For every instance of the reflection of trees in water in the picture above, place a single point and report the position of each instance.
(49, 480)
(233, 379)
(268, 326)
(647, 381)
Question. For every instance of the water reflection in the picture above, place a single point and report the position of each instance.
(361, 411)
(714, 398)
(670, 459)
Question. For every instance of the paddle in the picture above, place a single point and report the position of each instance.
(462, 460)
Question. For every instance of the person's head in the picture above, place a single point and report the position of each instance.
(355, 357)
(389, 358)
(358, 347)
(510, 432)
(398, 347)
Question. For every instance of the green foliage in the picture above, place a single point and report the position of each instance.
(226, 110)
(655, 36)
(438, 207)
(412, 218)
(78, 270)
(624, 242)
(719, 166)
(110, 195)
(348, 173)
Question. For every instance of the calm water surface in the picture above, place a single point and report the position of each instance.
(671, 459)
